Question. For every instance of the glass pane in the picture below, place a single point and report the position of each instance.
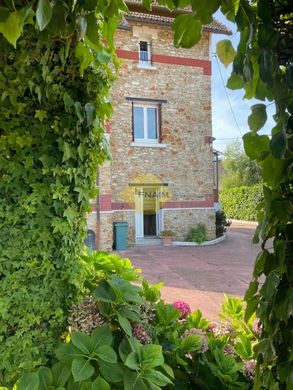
(152, 123)
(138, 122)
(143, 51)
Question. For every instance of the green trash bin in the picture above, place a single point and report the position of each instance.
(120, 235)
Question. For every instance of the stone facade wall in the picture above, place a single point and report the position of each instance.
(184, 160)
(180, 221)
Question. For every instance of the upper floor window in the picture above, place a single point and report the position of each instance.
(146, 123)
(144, 53)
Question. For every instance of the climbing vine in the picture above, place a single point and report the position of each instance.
(54, 84)
(262, 67)
(54, 58)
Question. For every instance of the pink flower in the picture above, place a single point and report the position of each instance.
(183, 307)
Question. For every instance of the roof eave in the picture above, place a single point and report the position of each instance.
(165, 12)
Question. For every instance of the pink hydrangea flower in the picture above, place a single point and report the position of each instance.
(183, 307)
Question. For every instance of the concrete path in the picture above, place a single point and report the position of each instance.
(200, 275)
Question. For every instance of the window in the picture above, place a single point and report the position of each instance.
(145, 123)
(144, 53)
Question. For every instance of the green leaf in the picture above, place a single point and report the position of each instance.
(187, 30)
(132, 361)
(84, 56)
(45, 377)
(101, 336)
(152, 356)
(82, 341)
(251, 307)
(244, 347)
(283, 209)
(258, 117)
(61, 372)
(205, 9)
(270, 285)
(252, 290)
(235, 81)
(225, 52)
(266, 66)
(106, 353)
(12, 26)
(103, 56)
(255, 145)
(111, 372)
(157, 378)
(274, 170)
(28, 382)
(125, 325)
(43, 14)
(81, 369)
(196, 320)
(278, 144)
(79, 111)
(190, 343)
(267, 349)
(104, 293)
(92, 31)
(67, 352)
(100, 384)
(131, 380)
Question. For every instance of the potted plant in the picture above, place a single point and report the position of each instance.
(166, 237)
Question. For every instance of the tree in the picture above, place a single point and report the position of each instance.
(240, 170)
(262, 66)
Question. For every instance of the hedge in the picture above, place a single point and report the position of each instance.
(241, 202)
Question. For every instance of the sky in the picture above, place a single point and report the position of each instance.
(225, 127)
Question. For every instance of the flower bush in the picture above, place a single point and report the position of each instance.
(183, 307)
(122, 335)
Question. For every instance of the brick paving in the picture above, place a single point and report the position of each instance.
(200, 275)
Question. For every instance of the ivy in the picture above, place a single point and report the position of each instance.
(52, 110)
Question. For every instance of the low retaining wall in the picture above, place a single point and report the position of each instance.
(205, 243)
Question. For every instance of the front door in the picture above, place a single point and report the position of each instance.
(147, 212)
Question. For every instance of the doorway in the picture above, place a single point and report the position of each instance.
(148, 221)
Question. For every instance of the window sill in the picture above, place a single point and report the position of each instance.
(148, 145)
(146, 66)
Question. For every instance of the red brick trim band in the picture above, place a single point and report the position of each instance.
(164, 59)
(107, 205)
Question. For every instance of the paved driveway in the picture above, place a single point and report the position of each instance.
(200, 275)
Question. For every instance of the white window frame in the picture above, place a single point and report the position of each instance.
(146, 140)
(149, 55)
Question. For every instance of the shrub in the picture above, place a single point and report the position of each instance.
(198, 234)
(167, 233)
(241, 202)
(221, 223)
(145, 343)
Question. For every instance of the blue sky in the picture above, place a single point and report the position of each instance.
(225, 128)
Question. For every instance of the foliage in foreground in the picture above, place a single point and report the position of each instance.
(144, 343)
(242, 202)
(52, 111)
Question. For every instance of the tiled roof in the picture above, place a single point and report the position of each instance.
(166, 17)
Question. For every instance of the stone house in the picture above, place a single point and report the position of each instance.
(160, 134)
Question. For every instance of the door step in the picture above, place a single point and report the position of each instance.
(148, 241)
